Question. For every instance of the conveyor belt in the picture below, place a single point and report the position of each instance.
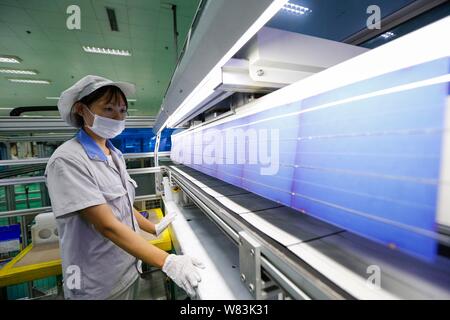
(338, 258)
(192, 233)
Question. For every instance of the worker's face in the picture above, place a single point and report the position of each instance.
(115, 109)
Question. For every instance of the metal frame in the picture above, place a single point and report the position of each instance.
(34, 211)
(23, 180)
(38, 138)
(250, 263)
(27, 124)
(27, 180)
(158, 177)
(45, 160)
(37, 179)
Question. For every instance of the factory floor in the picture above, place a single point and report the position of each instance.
(152, 287)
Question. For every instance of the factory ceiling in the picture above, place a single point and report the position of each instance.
(36, 31)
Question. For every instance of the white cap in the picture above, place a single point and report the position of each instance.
(84, 87)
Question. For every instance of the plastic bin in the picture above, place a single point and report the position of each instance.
(137, 140)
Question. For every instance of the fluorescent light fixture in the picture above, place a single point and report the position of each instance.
(132, 110)
(203, 89)
(17, 71)
(114, 52)
(6, 108)
(388, 35)
(10, 59)
(131, 100)
(52, 98)
(201, 94)
(31, 81)
(295, 9)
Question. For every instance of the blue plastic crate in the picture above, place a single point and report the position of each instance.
(136, 140)
(9, 239)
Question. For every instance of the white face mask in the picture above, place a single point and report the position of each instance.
(105, 127)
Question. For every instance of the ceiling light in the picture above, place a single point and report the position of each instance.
(10, 59)
(52, 98)
(131, 100)
(17, 71)
(295, 9)
(115, 52)
(33, 81)
(388, 35)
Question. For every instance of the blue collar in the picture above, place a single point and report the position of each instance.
(91, 147)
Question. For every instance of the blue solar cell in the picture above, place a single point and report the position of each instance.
(370, 164)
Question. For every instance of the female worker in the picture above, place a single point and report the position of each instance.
(92, 199)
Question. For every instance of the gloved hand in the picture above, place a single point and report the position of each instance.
(164, 223)
(182, 269)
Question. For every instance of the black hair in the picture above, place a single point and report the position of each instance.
(110, 93)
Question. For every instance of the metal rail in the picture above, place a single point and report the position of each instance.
(36, 124)
(34, 211)
(37, 179)
(45, 160)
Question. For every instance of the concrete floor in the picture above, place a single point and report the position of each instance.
(152, 287)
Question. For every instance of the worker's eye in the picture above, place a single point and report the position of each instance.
(109, 109)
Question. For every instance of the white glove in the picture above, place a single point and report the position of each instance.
(164, 223)
(182, 270)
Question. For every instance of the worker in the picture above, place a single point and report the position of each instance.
(92, 199)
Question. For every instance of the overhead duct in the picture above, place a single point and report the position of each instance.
(284, 57)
